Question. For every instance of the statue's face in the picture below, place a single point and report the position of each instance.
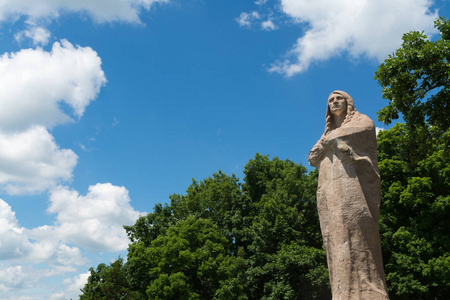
(337, 104)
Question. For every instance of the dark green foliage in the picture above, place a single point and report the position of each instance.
(283, 197)
(227, 240)
(414, 215)
(189, 262)
(416, 80)
(294, 272)
(149, 227)
(414, 161)
(109, 283)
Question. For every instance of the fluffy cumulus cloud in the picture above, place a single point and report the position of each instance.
(34, 84)
(30, 161)
(22, 245)
(93, 221)
(100, 10)
(14, 277)
(371, 29)
(77, 283)
(19, 251)
(42, 89)
(72, 287)
(25, 282)
(13, 242)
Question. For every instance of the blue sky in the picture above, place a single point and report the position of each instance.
(108, 107)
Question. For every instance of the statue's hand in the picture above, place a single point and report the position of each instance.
(315, 154)
(344, 148)
(326, 142)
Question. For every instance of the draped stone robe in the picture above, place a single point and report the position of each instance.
(348, 200)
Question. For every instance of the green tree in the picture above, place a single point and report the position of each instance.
(414, 164)
(109, 283)
(285, 227)
(227, 240)
(416, 80)
(190, 261)
(297, 272)
(220, 199)
(414, 215)
(148, 228)
(217, 198)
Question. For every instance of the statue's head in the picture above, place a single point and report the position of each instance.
(339, 103)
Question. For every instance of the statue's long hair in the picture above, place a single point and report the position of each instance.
(350, 111)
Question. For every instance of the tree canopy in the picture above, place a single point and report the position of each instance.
(223, 239)
(414, 161)
(416, 79)
(414, 225)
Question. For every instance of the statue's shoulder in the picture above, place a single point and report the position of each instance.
(363, 120)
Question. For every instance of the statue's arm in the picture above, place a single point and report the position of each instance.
(315, 154)
(348, 153)
(318, 151)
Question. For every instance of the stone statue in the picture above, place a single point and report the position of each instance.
(348, 201)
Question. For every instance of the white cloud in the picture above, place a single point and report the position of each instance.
(13, 243)
(94, 221)
(40, 90)
(30, 161)
(254, 17)
(378, 129)
(14, 277)
(370, 29)
(20, 250)
(72, 287)
(23, 245)
(268, 25)
(246, 19)
(39, 35)
(57, 296)
(21, 281)
(260, 2)
(34, 84)
(77, 283)
(100, 10)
